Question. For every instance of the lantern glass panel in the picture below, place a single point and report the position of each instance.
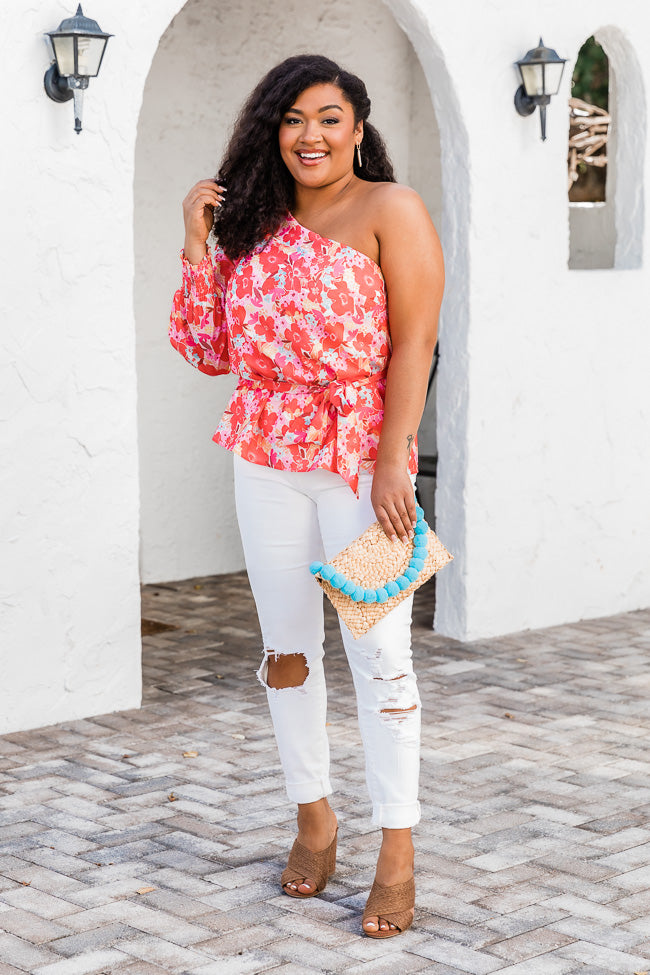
(89, 55)
(553, 76)
(533, 79)
(64, 53)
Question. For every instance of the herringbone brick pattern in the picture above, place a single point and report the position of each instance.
(151, 841)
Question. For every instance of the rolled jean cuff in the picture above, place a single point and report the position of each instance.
(309, 791)
(396, 816)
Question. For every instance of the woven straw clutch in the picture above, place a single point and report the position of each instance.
(373, 575)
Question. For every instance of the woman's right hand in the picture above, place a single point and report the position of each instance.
(198, 214)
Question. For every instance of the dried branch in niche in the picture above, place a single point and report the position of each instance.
(588, 134)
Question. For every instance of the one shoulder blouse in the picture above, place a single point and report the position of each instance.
(302, 321)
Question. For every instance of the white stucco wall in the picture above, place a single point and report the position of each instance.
(192, 95)
(543, 404)
(69, 581)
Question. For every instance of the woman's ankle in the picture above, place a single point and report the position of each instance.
(397, 838)
(396, 857)
(314, 815)
(318, 808)
(316, 825)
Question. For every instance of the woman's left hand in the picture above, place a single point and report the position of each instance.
(393, 499)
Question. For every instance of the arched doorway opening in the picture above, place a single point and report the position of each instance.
(207, 60)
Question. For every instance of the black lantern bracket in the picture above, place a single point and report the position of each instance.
(78, 44)
(541, 71)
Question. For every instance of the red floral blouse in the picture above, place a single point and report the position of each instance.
(302, 321)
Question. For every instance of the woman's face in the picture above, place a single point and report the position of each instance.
(318, 136)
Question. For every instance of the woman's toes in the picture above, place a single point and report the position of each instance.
(306, 887)
(378, 923)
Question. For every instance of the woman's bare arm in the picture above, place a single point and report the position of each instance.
(412, 263)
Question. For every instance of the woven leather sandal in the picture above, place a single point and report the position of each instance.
(304, 864)
(394, 904)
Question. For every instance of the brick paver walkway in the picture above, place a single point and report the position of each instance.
(151, 841)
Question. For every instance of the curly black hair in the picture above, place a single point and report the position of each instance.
(260, 187)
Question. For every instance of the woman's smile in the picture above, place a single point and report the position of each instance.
(311, 158)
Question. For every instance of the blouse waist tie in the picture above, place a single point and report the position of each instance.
(336, 415)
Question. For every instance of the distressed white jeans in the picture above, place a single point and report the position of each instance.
(288, 520)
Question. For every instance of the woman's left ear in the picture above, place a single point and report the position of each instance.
(358, 132)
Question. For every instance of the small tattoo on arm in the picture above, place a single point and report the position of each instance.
(409, 443)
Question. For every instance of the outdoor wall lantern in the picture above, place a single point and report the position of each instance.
(78, 44)
(541, 73)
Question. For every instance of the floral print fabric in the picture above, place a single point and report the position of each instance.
(302, 321)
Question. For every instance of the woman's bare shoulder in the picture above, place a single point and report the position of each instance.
(394, 203)
(381, 192)
(398, 210)
(403, 229)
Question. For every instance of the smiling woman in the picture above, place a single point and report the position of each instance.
(322, 295)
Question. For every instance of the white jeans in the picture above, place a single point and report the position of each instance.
(288, 520)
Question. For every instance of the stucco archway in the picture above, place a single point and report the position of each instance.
(628, 156)
(453, 386)
(193, 91)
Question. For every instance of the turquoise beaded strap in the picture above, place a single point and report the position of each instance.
(350, 588)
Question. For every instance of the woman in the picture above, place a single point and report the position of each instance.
(319, 249)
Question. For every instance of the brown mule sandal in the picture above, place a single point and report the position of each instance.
(304, 864)
(394, 904)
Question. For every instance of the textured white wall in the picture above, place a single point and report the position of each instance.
(193, 93)
(69, 583)
(543, 405)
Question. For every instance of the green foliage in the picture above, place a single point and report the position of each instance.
(591, 74)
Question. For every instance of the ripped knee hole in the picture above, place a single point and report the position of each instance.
(286, 670)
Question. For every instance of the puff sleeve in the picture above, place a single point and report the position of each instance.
(197, 326)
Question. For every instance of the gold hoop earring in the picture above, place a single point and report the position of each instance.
(359, 155)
